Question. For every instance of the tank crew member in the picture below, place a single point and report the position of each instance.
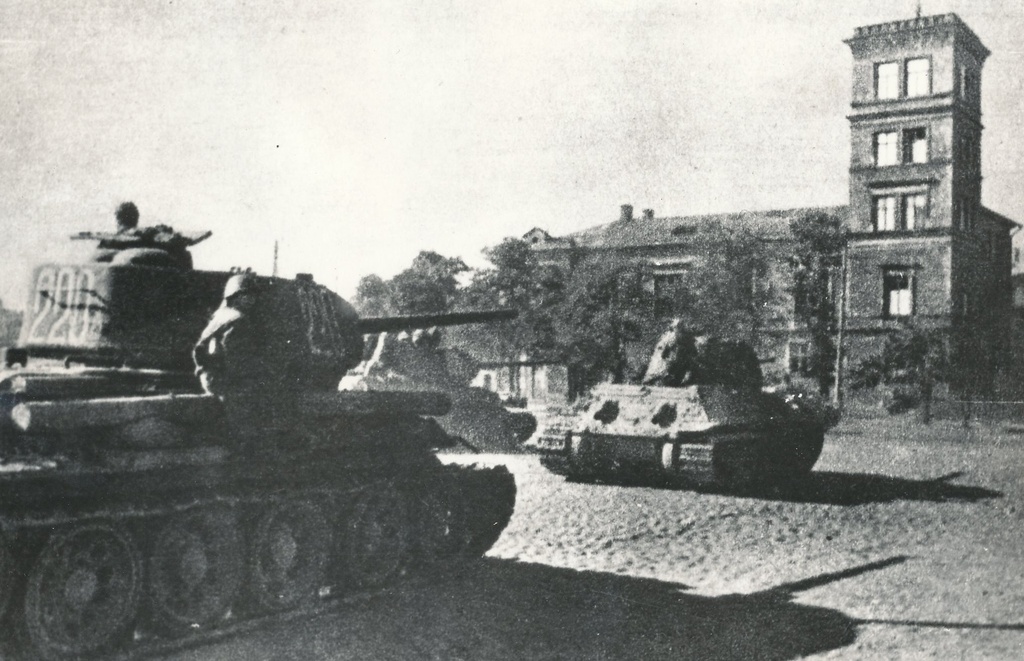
(159, 245)
(728, 363)
(127, 217)
(232, 352)
(243, 359)
(674, 361)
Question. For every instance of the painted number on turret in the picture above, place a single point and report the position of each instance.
(322, 328)
(65, 307)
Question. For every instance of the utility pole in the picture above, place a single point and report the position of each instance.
(274, 273)
(837, 392)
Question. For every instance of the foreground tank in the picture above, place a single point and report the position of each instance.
(134, 506)
(720, 430)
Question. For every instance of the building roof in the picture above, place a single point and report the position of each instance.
(950, 23)
(676, 230)
(1000, 218)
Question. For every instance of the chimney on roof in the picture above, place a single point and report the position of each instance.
(627, 212)
(648, 214)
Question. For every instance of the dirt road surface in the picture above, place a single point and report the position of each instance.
(907, 543)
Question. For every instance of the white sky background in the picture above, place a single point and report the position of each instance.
(359, 133)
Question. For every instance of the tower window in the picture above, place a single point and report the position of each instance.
(915, 146)
(887, 80)
(915, 210)
(962, 213)
(886, 148)
(885, 213)
(968, 82)
(897, 292)
(919, 80)
(894, 213)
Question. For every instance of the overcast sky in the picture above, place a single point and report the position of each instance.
(358, 133)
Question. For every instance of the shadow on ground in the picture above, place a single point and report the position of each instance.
(504, 610)
(830, 488)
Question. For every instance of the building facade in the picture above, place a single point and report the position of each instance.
(922, 250)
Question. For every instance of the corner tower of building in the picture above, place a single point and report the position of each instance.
(923, 250)
(915, 124)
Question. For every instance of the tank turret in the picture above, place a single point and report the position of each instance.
(133, 501)
(147, 315)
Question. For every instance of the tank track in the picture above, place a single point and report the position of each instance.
(727, 462)
(118, 580)
(553, 441)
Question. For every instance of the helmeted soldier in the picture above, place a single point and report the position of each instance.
(243, 359)
(232, 354)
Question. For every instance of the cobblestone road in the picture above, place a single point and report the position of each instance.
(906, 544)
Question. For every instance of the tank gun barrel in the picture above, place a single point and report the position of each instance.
(399, 323)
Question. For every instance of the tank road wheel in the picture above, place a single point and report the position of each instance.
(196, 568)
(375, 547)
(82, 594)
(289, 555)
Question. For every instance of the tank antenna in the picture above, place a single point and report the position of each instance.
(275, 259)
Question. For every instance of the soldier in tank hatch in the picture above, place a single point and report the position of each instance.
(159, 245)
(674, 360)
(127, 216)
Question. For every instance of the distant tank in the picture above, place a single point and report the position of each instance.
(416, 361)
(133, 507)
(716, 429)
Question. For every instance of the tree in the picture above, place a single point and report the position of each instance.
(817, 255)
(730, 292)
(429, 285)
(517, 280)
(604, 310)
(374, 296)
(913, 361)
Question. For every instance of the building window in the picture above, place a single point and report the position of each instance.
(915, 146)
(799, 358)
(671, 294)
(897, 292)
(886, 148)
(887, 80)
(919, 80)
(885, 213)
(915, 210)
(968, 81)
(894, 213)
(962, 209)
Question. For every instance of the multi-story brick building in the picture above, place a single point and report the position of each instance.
(922, 248)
